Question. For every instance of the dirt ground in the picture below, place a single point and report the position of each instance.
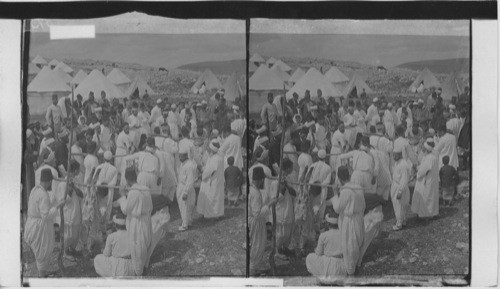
(215, 248)
(439, 248)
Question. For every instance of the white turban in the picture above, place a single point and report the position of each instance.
(108, 155)
(321, 154)
(214, 146)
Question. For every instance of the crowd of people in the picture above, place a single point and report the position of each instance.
(130, 160)
(340, 164)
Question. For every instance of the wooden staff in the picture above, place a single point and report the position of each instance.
(273, 207)
(61, 210)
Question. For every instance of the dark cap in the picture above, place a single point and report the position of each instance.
(46, 175)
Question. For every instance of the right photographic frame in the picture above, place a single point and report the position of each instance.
(359, 151)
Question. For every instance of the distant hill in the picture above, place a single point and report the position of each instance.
(218, 67)
(439, 66)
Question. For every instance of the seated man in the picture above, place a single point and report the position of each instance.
(327, 261)
(115, 260)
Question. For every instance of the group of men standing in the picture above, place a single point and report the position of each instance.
(150, 156)
(376, 154)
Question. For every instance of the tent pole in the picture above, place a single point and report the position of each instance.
(61, 210)
(280, 175)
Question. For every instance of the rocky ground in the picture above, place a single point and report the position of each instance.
(421, 253)
(209, 248)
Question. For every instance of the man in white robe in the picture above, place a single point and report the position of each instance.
(231, 147)
(350, 205)
(372, 111)
(134, 126)
(116, 260)
(106, 175)
(408, 153)
(148, 165)
(168, 179)
(350, 126)
(211, 197)
(72, 211)
(389, 121)
(105, 135)
(400, 192)
(425, 201)
(123, 146)
(338, 142)
(39, 227)
(447, 146)
(258, 213)
(320, 173)
(155, 114)
(173, 122)
(137, 206)
(186, 195)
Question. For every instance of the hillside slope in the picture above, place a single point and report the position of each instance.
(218, 67)
(440, 66)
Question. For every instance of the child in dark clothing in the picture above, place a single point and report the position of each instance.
(448, 177)
(234, 179)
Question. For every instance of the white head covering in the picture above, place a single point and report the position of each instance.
(449, 125)
(213, 147)
(29, 133)
(314, 107)
(398, 147)
(174, 106)
(108, 155)
(235, 107)
(118, 221)
(204, 102)
(451, 106)
(183, 149)
(429, 145)
(331, 220)
(375, 99)
(158, 101)
(420, 101)
(215, 132)
(321, 154)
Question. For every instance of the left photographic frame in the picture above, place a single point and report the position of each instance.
(134, 127)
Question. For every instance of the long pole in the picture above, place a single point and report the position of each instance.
(273, 207)
(61, 210)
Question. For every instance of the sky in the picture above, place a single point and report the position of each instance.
(379, 42)
(147, 40)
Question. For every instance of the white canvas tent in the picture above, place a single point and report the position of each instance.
(117, 77)
(139, 87)
(97, 82)
(39, 61)
(33, 69)
(120, 80)
(296, 75)
(427, 79)
(232, 88)
(252, 67)
(207, 81)
(40, 90)
(63, 75)
(277, 70)
(271, 61)
(357, 82)
(283, 66)
(257, 59)
(53, 63)
(452, 86)
(79, 77)
(312, 81)
(62, 66)
(334, 75)
(263, 81)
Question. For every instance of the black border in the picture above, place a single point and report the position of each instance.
(246, 9)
